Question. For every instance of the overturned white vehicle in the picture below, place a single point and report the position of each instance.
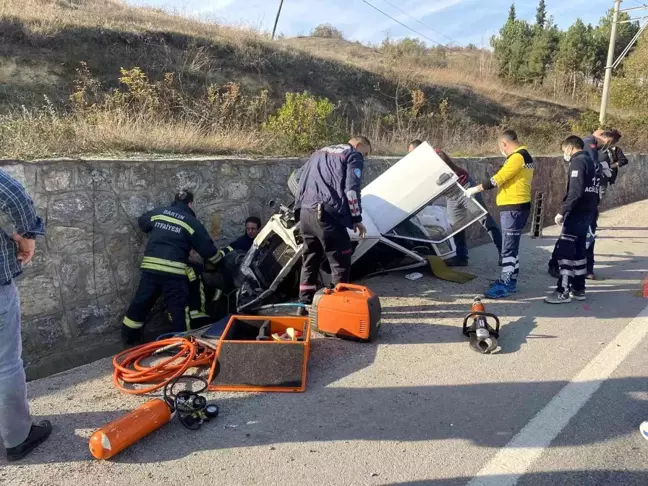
(403, 211)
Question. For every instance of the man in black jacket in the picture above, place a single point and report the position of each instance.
(576, 214)
(328, 202)
(173, 231)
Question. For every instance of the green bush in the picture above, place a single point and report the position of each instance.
(305, 123)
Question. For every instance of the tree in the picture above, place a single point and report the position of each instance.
(575, 52)
(512, 47)
(542, 51)
(512, 16)
(625, 33)
(541, 14)
(631, 89)
(327, 31)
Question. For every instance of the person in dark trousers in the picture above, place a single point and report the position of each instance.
(252, 228)
(513, 183)
(575, 215)
(17, 430)
(173, 232)
(457, 210)
(327, 203)
(602, 149)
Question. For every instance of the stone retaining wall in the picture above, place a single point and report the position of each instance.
(85, 270)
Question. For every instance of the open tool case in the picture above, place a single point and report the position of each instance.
(248, 359)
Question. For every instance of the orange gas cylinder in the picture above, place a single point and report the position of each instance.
(125, 431)
(348, 311)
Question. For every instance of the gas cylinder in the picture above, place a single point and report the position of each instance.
(123, 432)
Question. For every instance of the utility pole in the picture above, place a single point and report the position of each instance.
(274, 29)
(610, 60)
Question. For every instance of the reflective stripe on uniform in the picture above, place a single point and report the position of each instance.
(162, 268)
(132, 324)
(197, 314)
(162, 261)
(169, 219)
(217, 295)
(217, 257)
(191, 273)
(187, 319)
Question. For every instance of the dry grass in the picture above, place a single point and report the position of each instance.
(42, 43)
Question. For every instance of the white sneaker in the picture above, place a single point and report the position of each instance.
(558, 298)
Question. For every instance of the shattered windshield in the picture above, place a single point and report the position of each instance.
(447, 214)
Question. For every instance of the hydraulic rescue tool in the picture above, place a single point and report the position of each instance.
(483, 337)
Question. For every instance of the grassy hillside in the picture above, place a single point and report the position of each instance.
(92, 76)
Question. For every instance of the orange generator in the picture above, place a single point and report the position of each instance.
(348, 312)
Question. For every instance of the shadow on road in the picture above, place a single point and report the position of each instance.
(550, 478)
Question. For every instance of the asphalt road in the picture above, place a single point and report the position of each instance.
(560, 404)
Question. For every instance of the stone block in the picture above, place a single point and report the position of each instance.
(141, 176)
(17, 171)
(70, 208)
(237, 191)
(106, 208)
(257, 172)
(65, 239)
(39, 295)
(214, 191)
(95, 178)
(179, 178)
(279, 173)
(41, 334)
(228, 169)
(124, 275)
(135, 205)
(83, 276)
(57, 179)
(97, 316)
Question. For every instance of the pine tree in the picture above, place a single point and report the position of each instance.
(575, 52)
(512, 16)
(541, 14)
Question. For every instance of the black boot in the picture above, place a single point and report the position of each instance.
(37, 435)
(457, 262)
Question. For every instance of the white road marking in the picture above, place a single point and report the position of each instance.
(516, 457)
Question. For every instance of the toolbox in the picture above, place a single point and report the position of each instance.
(262, 353)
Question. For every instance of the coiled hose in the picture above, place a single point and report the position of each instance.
(128, 367)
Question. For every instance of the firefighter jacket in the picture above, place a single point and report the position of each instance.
(513, 181)
(173, 232)
(332, 178)
(582, 186)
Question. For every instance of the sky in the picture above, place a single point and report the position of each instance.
(449, 22)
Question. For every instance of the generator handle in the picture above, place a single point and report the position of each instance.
(349, 286)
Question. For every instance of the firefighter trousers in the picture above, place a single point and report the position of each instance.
(570, 253)
(322, 238)
(175, 291)
(589, 251)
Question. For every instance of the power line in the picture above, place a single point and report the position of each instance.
(401, 23)
(415, 31)
(421, 23)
